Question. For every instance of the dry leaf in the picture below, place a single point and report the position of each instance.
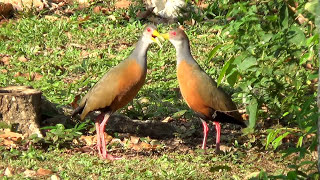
(51, 18)
(252, 175)
(84, 19)
(123, 4)
(111, 17)
(224, 148)
(145, 145)
(29, 173)
(8, 172)
(116, 141)
(82, 3)
(97, 9)
(6, 10)
(108, 138)
(167, 119)
(144, 100)
(203, 6)
(134, 139)
(74, 103)
(8, 143)
(190, 22)
(36, 76)
(137, 147)
(105, 10)
(4, 70)
(88, 140)
(144, 14)
(78, 45)
(25, 4)
(8, 134)
(44, 172)
(5, 60)
(23, 59)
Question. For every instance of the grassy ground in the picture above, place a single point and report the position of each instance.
(174, 165)
(64, 55)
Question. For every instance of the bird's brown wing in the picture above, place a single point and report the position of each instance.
(214, 96)
(105, 91)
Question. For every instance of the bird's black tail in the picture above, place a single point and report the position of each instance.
(226, 118)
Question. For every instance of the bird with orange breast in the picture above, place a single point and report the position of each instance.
(117, 87)
(200, 91)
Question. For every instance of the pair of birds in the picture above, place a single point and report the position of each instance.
(121, 84)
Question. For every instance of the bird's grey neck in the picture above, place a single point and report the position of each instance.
(140, 52)
(183, 53)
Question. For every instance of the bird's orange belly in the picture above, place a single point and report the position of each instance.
(188, 83)
(132, 79)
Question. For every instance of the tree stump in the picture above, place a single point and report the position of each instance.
(20, 107)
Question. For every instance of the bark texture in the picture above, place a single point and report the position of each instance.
(20, 107)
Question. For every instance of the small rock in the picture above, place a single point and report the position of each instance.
(54, 177)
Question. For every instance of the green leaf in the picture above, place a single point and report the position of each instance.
(179, 114)
(284, 16)
(247, 63)
(224, 70)
(312, 40)
(278, 140)
(299, 143)
(312, 6)
(233, 76)
(297, 36)
(253, 112)
(304, 58)
(214, 51)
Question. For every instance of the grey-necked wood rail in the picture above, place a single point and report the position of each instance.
(200, 91)
(117, 87)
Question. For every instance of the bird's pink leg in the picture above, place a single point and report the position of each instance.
(105, 155)
(218, 131)
(205, 134)
(98, 122)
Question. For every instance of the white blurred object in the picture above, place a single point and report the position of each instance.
(166, 8)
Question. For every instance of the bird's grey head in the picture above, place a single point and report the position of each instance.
(150, 34)
(177, 37)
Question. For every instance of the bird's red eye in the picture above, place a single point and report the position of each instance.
(173, 33)
(149, 29)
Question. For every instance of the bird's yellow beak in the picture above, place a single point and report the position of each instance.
(156, 36)
(165, 36)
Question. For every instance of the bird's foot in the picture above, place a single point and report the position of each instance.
(110, 157)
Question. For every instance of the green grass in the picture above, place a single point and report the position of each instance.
(174, 165)
(71, 55)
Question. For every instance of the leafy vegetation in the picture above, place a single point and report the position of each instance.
(263, 52)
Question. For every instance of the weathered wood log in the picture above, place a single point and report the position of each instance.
(20, 107)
